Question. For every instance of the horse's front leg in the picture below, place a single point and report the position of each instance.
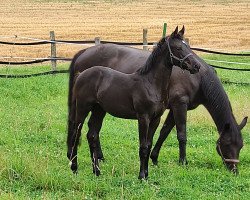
(180, 116)
(143, 123)
(165, 130)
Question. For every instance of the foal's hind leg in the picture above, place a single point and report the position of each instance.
(94, 119)
(95, 124)
(72, 149)
(166, 129)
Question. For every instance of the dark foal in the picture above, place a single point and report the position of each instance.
(182, 95)
(140, 96)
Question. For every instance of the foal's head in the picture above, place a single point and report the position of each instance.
(230, 143)
(180, 53)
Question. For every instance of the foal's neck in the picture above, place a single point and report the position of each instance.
(159, 76)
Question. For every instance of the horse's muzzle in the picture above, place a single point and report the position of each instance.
(232, 167)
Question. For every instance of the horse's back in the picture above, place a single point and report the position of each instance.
(121, 58)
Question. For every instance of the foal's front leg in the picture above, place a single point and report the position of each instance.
(143, 123)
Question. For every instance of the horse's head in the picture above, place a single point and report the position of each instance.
(229, 145)
(180, 53)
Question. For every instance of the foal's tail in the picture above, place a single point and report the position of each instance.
(71, 101)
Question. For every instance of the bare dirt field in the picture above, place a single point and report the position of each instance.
(216, 24)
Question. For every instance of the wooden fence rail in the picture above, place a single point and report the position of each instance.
(145, 44)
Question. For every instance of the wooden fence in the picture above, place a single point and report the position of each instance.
(145, 44)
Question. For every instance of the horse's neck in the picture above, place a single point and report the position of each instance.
(221, 116)
(217, 102)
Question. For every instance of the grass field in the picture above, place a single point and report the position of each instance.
(33, 149)
(33, 111)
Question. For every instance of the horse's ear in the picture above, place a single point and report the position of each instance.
(175, 32)
(243, 123)
(182, 31)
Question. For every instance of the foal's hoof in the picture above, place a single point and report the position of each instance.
(73, 167)
(100, 156)
(96, 172)
(183, 161)
(143, 176)
(101, 159)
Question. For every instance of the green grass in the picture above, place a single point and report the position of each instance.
(33, 159)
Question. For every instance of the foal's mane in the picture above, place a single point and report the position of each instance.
(152, 58)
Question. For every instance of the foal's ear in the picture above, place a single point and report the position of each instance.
(175, 32)
(182, 31)
(243, 123)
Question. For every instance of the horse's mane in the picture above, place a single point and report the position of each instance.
(217, 101)
(152, 58)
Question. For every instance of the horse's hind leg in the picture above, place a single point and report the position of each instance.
(95, 124)
(151, 131)
(166, 129)
(80, 117)
(180, 116)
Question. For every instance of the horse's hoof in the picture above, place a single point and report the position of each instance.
(155, 162)
(154, 159)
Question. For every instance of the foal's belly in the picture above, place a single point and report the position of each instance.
(117, 105)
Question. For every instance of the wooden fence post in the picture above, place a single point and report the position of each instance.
(97, 40)
(145, 39)
(164, 31)
(53, 50)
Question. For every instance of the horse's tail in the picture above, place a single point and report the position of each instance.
(71, 101)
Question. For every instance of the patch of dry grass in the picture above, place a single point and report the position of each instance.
(218, 24)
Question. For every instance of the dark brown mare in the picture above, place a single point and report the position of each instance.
(183, 95)
(140, 95)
